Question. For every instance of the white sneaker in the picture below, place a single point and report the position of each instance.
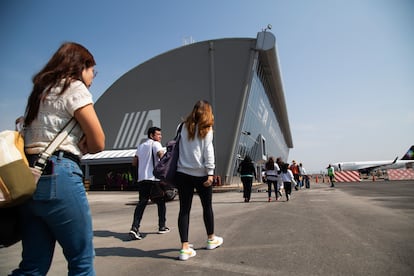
(214, 243)
(186, 254)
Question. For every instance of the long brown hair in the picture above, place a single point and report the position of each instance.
(66, 64)
(201, 117)
(270, 164)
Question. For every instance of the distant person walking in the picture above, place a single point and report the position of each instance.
(331, 174)
(146, 158)
(288, 179)
(280, 188)
(247, 172)
(272, 176)
(305, 177)
(195, 170)
(295, 170)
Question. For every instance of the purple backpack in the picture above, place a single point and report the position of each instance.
(167, 166)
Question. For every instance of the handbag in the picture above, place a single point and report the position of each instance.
(160, 189)
(167, 166)
(17, 180)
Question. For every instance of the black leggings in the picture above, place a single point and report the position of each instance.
(247, 186)
(288, 188)
(186, 185)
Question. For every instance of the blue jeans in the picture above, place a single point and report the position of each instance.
(58, 211)
(269, 187)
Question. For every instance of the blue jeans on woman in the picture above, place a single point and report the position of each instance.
(271, 183)
(58, 211)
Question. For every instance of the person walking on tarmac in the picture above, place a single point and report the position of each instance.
(295, 170)
(280, 188)
(272, 175)
(146, 157)
(195, 171)
(331, 174)
(288, 179)
(247, 172)
(305, 177)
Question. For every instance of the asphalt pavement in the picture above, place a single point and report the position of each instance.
(362, 228)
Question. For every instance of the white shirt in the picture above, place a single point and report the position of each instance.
(147, 159)
(54, 112)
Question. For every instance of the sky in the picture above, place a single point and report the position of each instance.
(347, 65)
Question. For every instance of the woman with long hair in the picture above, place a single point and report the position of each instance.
(272, 175)
(195, 170)
(59, 209)
(288, 179)
(247, 172)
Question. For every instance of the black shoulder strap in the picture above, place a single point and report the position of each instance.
(152, 154)
(180, 127)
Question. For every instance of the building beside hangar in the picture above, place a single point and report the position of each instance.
(240, 77)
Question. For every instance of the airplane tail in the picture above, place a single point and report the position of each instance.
(409, 155)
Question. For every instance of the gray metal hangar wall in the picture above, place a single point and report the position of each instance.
(163, 90)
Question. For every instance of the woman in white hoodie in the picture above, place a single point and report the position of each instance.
(288, 179)
(195, 170)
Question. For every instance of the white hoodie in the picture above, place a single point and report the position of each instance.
(196, 156)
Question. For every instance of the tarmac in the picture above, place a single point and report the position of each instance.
(361, 228)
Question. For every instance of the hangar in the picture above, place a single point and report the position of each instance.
(240, 77)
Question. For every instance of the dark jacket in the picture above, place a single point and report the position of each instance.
(246, 168)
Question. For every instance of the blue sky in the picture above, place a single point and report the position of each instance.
(347, 66)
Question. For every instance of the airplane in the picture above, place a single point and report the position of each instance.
(406, 161)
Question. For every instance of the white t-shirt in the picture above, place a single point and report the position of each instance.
(54, 112)
(147, 159)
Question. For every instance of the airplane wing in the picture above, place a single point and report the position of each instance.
(378, 166)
